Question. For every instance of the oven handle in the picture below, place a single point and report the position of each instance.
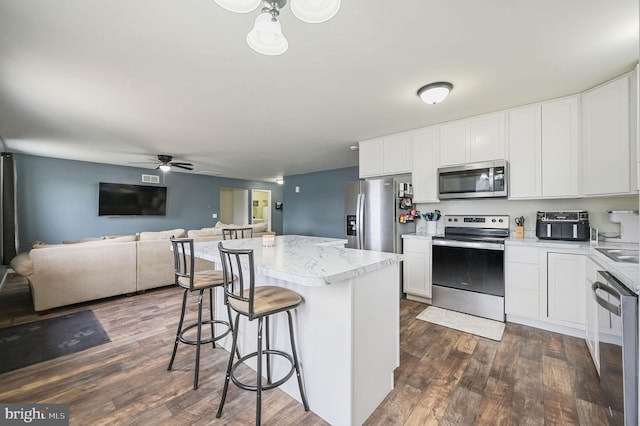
(613, 308)
(468, 244)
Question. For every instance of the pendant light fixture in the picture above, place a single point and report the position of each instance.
(266, 37)
(434, 93)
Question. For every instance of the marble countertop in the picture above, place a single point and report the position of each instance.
(311, 261)
(628, 273)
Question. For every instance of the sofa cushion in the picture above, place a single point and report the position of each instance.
(83, 240)
(161, 235)
(204, 232)
(22, 264)
(259, 227)
(119, 238)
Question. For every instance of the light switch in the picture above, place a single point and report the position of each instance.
(214, 215)
(297, 189)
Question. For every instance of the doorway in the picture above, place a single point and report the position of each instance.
(261, 207)
(234, 206)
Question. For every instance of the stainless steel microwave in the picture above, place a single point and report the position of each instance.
(476, 180)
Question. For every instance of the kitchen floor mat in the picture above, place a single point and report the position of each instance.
(462, 322)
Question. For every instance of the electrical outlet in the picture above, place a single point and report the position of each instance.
(214, 215)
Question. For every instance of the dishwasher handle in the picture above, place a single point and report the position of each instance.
(611, 307)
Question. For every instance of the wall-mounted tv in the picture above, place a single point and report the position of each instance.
(118, 199)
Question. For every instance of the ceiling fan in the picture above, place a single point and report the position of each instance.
(165, 163)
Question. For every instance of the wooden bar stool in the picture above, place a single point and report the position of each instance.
(191, 281)
(237, 233)
(256, 303)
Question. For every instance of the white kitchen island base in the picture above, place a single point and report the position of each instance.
(347, 334)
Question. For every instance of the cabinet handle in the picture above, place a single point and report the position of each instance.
(614, 309)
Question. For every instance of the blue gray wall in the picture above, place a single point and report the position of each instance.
(58, 200)
(318, 209)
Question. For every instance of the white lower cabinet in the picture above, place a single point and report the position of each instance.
(522, 291)
(565, 288)
(545, 287)
(591, 312)
(416, 269)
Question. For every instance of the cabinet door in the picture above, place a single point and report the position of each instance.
(525, 151)
(591, 312)
(560, 148)
(370, 158)
(606, 139)
(566, 287)
(425, 165)
(416, 268)
(522, 292)
(396, 154)
(454, 143)
(487, 138)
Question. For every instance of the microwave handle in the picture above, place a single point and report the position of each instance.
(491, 177)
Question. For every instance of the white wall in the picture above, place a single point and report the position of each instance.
(597, 207)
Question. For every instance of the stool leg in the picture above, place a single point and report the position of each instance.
(229, 365)
(175, 345)
(259, 371)
(266, 320)
(296, 364)
(232, 328)
(211, 315)
(198, 338)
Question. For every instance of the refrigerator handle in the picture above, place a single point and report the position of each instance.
(360, 221)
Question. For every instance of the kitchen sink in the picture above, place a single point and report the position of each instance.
(620, 255)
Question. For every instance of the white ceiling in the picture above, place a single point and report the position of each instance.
(119, 81)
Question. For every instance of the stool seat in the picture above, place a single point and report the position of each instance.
(202, 279)
(267, 300)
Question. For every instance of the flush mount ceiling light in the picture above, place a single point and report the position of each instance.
(435, 93)
(266, 37)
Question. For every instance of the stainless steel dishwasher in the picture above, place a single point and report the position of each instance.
(618, 349)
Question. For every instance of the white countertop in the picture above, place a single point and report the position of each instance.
(628, 273)
(311, 261)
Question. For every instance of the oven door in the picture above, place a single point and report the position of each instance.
(476, 267)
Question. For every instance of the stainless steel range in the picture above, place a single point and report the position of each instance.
(468, 265)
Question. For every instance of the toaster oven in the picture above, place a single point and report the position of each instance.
(571, 225)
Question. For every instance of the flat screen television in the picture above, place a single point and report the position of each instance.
(119, 199)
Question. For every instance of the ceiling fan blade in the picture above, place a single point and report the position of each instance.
(186, 166)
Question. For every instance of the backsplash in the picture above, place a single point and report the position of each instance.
(598, 209)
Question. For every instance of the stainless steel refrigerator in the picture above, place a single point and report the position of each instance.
(378, 212)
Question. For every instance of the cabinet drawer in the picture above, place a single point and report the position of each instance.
(522, 254)
(523, 276)
(414, 245)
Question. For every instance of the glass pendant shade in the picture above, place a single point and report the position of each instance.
(266, 36)
(315, 11)
(239, 6)
(435, 93)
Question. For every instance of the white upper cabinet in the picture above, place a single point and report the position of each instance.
(477, 139)
(454, 143)
(543, 150)
(560, 150)
(385, 156)
(608, 152)
(487, 137)
(425, 165)
(525, 152)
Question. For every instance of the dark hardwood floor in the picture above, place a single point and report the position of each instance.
(446, 377)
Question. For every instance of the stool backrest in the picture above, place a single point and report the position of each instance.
(237, 233)
(239, 281)
(183, 263)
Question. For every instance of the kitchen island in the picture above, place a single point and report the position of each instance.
(347, 329)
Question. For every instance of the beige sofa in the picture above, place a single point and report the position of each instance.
(94, 268)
